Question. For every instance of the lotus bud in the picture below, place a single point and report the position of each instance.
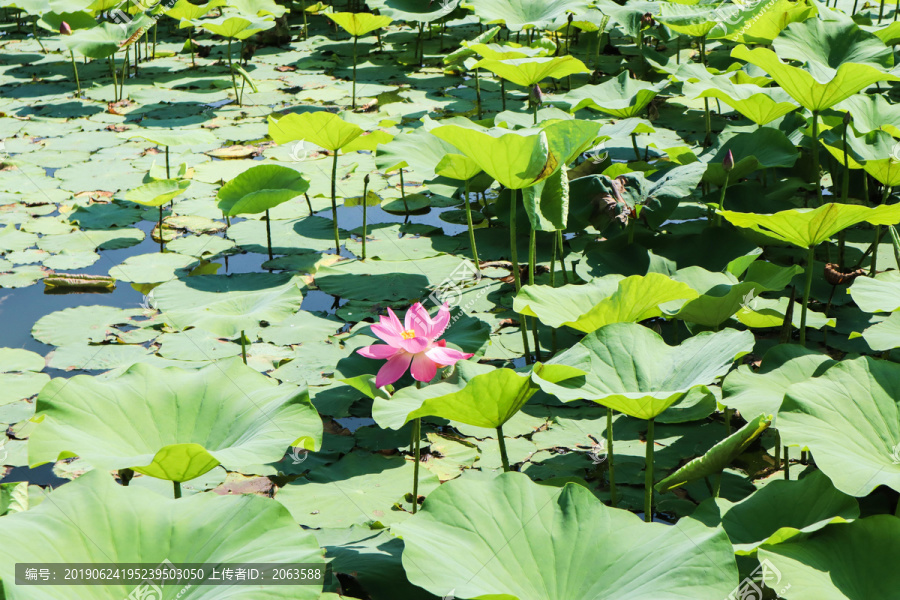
(728, 163)
(647, 20)
(537, 97)
(847, 118)
(65, 29)
(571, 18)
(366, 179)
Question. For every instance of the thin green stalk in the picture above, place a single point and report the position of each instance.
(191, 42)
(523, 325)
(353, 104)
(337, 237)
(231, 69)
(308, 203)
(648, 482)
(168, 176)
(305, 23)
(613, 500)
(124, 73)
(728, 412)
(503, 92)
(403, 192)
(787, 464)
(478, 95)
(417, 437)
(637, 153)
(873, 267)
(159, 228)
(75, 68)
(777, 449)
(503, 456)
(365, 215)
(154, 39)
(845, 182)
(471, 229)
(243, 347)
(177, 486)
(815, 156)
(36, 38)
(722, 200)
(534, 322)
(810, 261)
(269, 234)
(562, 255)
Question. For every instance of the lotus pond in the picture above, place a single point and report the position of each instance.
(519, 299)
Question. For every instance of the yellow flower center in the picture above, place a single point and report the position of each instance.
(408, 334)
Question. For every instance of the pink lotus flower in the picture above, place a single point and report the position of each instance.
(414, 341)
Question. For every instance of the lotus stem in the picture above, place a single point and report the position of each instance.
(36, 38)
(231, 68)
(873, 267)
(154, 39)
(124, 73)
(471, 230)
(74, 68)
(562, 256)
(403, 193)
(523, 324)
(115, 76)
(881, 12)
(126, 475)
(815, 156)
(534, 322)
(787, 464)
(269, 234)
(728, 412)
(365, 215)
(191, 42)
(159, 228)
(417, 439)
(502, 442)
(613, 500)
(503, 92)
(722, 200)
(305, 23)
(353, 105)
(168, 176)
(648, 482)
(177, 486)
(243, 347)
(334, 217)
(478, 95)
(777, 449)
(637, 153)
(308, 203)
(810, 261)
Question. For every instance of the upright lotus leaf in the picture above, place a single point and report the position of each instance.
(812, 93)
(465, 50)
(721, 295)
(718, 457)
(810, 227)
(530, 71)
(610, 299)
(413, 11)
(227, 304)
(547, 202)
(779, 511)
(359, 24)
(99, 41)
(630, 15)
(184, 11)
(759, 104)
(757, 23)
(478, 395)
(258, 8)
(417, 150)
(569, 139)
(457, 166)
(761, 392)
(872, 112)
(882, 336)
(157, 193)
(516, 159)
(849, 418)
(503, 537)
(822, 46)
(632, 370)
(877, 294)
(525, 14)
(506, 51)
(95, 520)
(619, 96)
(321, 128)
(235, 27)
(873, 152)
(695, 21)
(260, 188)
(173, 423)
(844, 561)
(761, 148)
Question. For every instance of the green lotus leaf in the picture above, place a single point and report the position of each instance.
(779, 511)
(79, 19)
(629, 16)
(157, 193)
(568, 139)
(183, 10)
(764, 313)
(457, 166)
(718, 457)
(525, 14)
(695, 21)
(610, 299)
(762, 148)
(872, 112)
(506, 51)
(547, 202)
(849, 418)
(761, 392)
(465, 50)
(619, 96)
(811, 93)
(171, 137)
(359, 24)
(417, 150)
(722, 295)
(81, 324)
(882, 336)
(95, 520)
(501, 537)
(413, 11)
(530, 71)
(477, 395)
(632, 370)
(760, 23)
(516, 159)
(873, 152)
(20, 375)
(759, 104)
(172, 423)
(99, 41)
(258, 8)
(260, 188)
(844, 561)
(152, 268)
(235, 27)
(321, 128)
(877, 294)
(810, 227)
(227, 304)
(822, 46)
